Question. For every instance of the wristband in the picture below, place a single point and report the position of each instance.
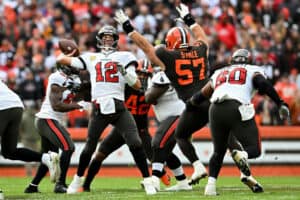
(127, 27)
(189, 19)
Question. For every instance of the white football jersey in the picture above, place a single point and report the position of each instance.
(234, 82)
(168, 104)
(106, 80)
(46, 111)
(9, 99)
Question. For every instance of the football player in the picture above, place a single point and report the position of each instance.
(63, 86)
(11, 110)
(109, 71)
(230, 90)
(167, 108)
(186, 66)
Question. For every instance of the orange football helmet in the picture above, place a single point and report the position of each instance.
(177, 38)
(144, 65)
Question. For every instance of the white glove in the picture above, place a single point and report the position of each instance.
(183, 10)
(284, 112)
(121, 17)
(85, 105)
(121, 69)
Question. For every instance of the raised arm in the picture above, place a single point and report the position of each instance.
(189, 20)
(137, 38)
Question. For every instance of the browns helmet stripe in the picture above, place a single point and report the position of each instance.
(183, 35)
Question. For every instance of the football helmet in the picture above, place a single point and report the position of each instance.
(241, 56)
(104, 43)
(144, 66)
(177, 38)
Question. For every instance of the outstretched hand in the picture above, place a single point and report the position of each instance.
(123, 20)
(121, 17)
(183, 10)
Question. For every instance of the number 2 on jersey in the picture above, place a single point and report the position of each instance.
(235, 76)
(110, 72)
(186, 75)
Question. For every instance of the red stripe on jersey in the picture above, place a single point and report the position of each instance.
(168, 133)
(59, 134)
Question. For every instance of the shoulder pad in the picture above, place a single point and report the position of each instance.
(160, 78)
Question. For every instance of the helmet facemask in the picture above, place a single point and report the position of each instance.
(106, 43)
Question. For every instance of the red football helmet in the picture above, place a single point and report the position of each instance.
(177, 38)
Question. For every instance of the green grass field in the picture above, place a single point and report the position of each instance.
(230, 188)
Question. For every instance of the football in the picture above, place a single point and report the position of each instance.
(67, 46)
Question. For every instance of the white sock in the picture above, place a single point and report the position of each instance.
(178, 171)
(211, 180)
(157, 166)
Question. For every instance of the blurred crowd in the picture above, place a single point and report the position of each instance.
(30, 31)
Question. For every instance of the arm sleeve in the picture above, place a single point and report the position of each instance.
(265, 87)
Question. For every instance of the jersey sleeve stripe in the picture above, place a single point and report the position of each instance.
(84, 64)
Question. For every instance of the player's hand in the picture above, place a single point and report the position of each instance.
(121, 17)
(123, 20)
(284, 111)
(121, 69)
(183, 10)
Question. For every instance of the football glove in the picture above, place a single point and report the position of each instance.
(284, 111)
(123, 20)
(121, 69)
(184, 13)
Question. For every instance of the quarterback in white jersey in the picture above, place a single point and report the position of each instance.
(167, 108)
(11, 110)
(231, 112)
(109, 71)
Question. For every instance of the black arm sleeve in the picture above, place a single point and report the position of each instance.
(265, 87)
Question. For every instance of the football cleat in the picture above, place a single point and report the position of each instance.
(76, 184)
(181, 185)
(31, 189)
(199, 173)
(148, 186)
(252, 184)
(240, 159)
(210, 190)
(60, 188)
(52, 162)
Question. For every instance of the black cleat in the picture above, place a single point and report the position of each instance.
(32, 189)
(252, 184)
(60, 188)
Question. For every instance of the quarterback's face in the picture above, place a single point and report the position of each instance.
(107, 40)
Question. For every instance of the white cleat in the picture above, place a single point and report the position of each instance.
(240, 159)
(180, 186)
(148, 186)
(75, 185)
(210, 190)
(52, 162)
(199, 173)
